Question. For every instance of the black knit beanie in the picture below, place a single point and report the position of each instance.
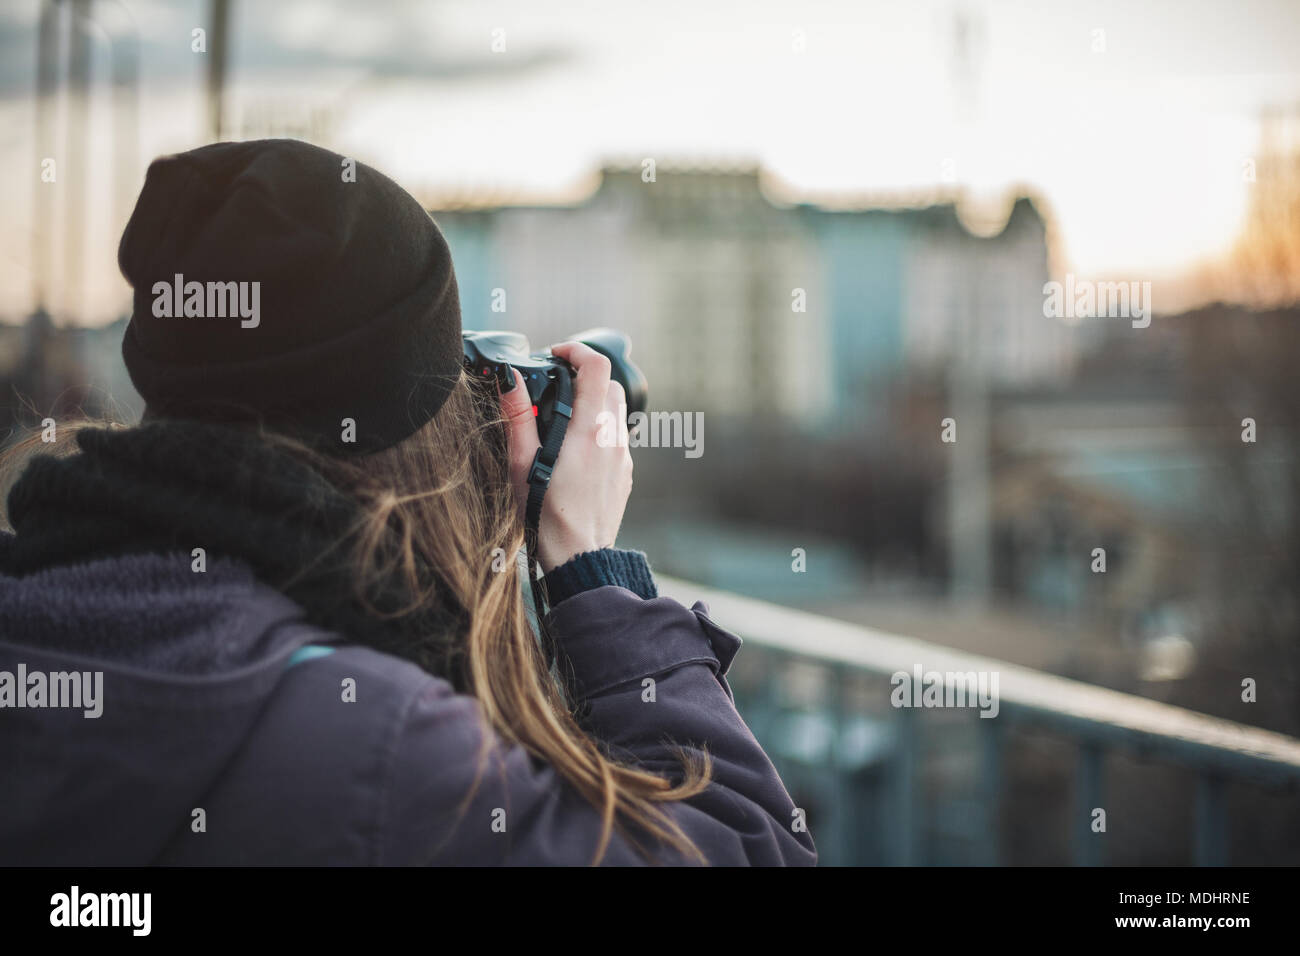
(280, 282)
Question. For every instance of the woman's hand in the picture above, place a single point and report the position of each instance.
(589, 487)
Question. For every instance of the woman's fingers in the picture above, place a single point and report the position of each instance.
(593, 475)
(615, 421)
(591, 384)
(521, 427)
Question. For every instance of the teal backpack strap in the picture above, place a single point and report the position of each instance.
(308, 652)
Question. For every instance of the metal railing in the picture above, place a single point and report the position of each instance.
(843, 740)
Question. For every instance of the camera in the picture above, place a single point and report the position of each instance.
(492, 354)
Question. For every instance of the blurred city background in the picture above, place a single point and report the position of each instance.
(828, 228)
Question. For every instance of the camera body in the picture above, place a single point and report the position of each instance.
(493, 354)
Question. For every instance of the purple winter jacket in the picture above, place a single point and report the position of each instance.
(224, 735)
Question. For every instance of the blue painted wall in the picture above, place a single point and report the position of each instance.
(864, 257)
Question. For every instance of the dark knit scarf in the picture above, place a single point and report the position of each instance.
(170, 487)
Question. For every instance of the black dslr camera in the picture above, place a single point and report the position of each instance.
(491, 354)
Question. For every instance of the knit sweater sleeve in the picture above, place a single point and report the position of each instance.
(596, 569)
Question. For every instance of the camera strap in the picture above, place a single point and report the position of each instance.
(539, 475)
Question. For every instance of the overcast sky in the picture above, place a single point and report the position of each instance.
(1134, 135)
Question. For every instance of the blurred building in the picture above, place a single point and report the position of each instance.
(743, 307)
(698, 267)
(913, 290)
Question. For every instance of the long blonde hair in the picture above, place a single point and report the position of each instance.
(444, 495)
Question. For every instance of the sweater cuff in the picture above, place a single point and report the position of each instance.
(597, 569)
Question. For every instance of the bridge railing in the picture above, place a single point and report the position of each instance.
(822, 696)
